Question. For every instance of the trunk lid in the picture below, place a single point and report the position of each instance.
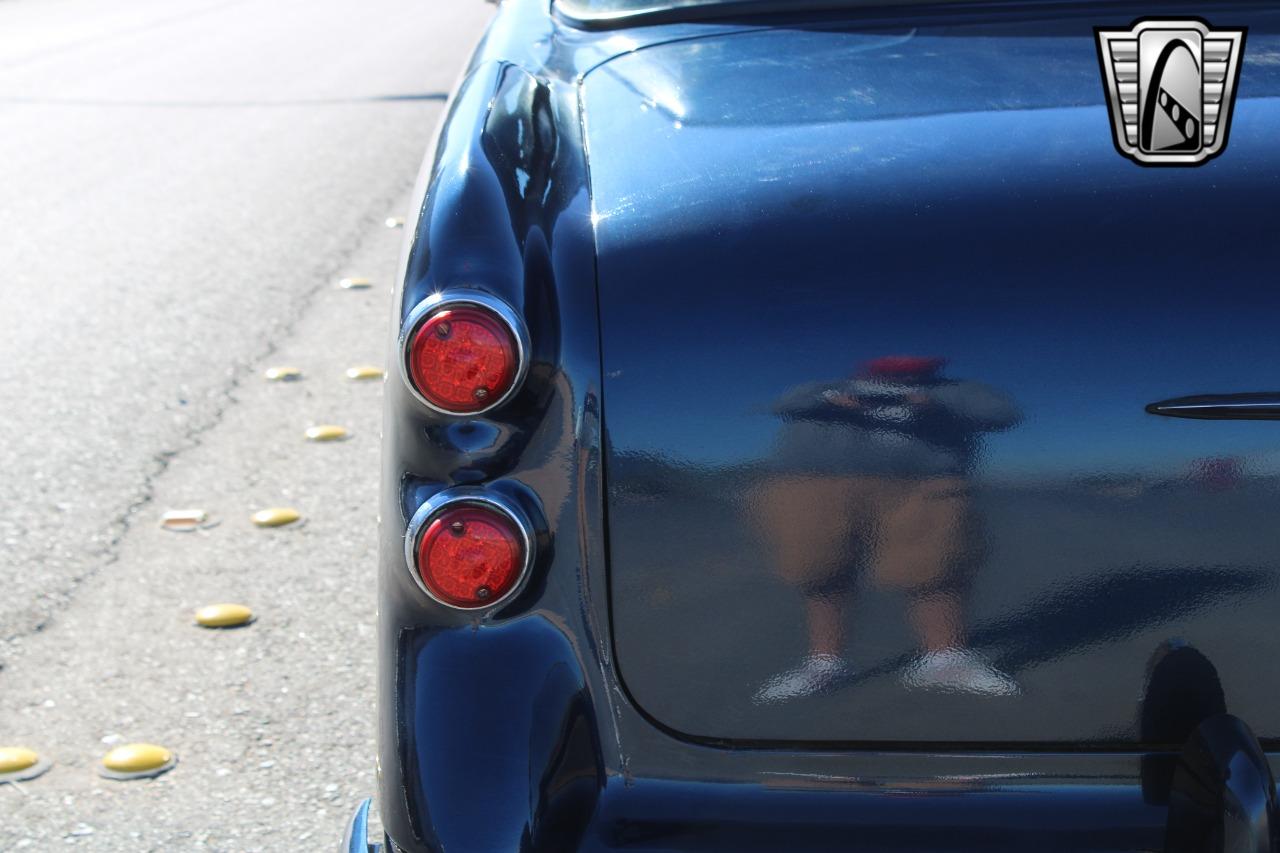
(881, 310)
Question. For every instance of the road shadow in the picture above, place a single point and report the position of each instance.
(1062, 622)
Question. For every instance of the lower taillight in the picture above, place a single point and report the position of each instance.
(463, 354)
(469, 552)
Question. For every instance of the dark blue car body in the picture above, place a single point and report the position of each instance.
(720, 232)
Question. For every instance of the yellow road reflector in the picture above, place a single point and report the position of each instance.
(282, 374)
(185, 520)
(16, 758)
(136, 761)
(395, 222)
(327, 432)
(18, 764)
(277, 516)
(364, 372)
(355, 284)
(223, 615)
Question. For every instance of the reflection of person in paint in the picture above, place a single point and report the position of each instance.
(871, 477)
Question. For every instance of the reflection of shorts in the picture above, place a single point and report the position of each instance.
(910, 534)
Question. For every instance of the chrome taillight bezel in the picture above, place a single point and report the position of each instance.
(469, 496)
(445, 300)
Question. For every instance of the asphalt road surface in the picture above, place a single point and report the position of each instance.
(182, 184)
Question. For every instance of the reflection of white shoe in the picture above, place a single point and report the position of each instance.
(958, 671)
(815, 674)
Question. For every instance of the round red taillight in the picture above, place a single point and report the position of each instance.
(463, 357)
(471, 555)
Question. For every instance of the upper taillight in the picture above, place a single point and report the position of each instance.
(469, 552)
(464, 355)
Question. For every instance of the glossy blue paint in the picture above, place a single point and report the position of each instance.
(713, 249)
(356, 838)
(939, 191)
(503, 711)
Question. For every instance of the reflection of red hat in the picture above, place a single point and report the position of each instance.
(902, 366)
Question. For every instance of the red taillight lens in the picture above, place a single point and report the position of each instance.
(463, 358)
(470, 555)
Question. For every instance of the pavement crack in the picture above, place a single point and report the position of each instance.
(115, 531)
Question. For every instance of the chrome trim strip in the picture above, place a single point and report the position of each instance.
(1263, 406)
(451, 298)
(474, 496)
(356, 838)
